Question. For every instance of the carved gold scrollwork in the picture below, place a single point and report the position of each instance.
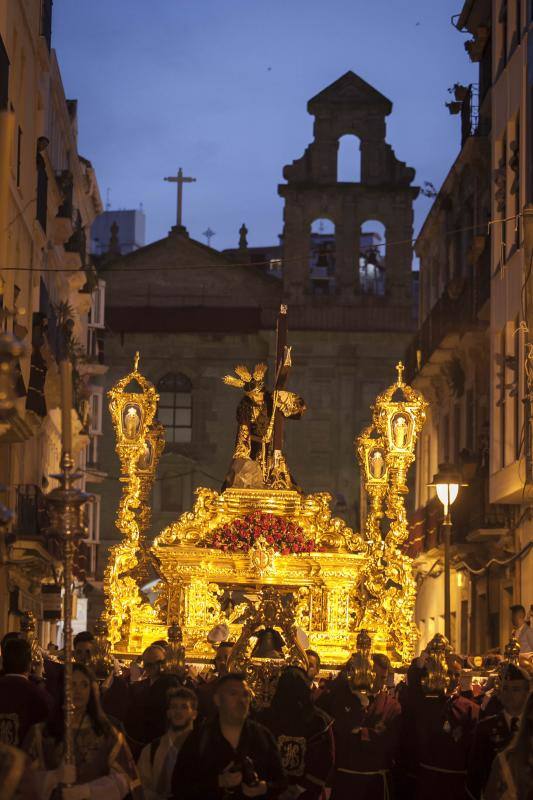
(139, 444)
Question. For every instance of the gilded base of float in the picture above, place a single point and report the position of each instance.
(347, 584)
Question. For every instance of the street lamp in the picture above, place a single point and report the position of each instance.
(447, 483)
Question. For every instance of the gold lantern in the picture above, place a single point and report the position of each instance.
(399, 414)
(372, 455)
(139, 444)
(132, 413)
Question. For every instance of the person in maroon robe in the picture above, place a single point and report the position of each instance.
(439, 733)
(366, 729)
(303, 732)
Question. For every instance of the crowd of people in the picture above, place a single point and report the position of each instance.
(145, 732)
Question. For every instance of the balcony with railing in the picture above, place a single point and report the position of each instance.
(455, 313)
(474, 519)
(31, 520)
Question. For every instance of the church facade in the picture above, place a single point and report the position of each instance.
(194, 313)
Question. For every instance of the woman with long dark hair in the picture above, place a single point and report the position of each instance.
(511, 777)
(104, 766)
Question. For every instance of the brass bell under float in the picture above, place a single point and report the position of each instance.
(269, 644)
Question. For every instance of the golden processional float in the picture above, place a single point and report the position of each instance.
(261, 557)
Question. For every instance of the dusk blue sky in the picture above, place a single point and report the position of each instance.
(220, 88)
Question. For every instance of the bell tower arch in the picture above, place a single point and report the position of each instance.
(348, 107)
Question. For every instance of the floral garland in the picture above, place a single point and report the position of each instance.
(282, 535)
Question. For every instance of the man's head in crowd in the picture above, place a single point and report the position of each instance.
(232, 698)
(16, 657)
(153, 660)
(313, 664)
(162, 643)
(84, 647)
(182, 708)
(514, 690)
(381, 668)
(518, 615)
(221, 658)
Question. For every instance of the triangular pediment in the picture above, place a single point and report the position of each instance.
(350, 90)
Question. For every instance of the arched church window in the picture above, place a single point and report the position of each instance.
(349, 159)
(322, 257)
(372, 256)
(175, 407)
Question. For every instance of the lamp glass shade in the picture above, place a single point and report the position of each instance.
(447, 493)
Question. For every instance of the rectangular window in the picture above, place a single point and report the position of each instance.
(42, 192)
(95, 420)
(470, 421)
(514, 164)
(445, 440)
(494, 629)
(502, 19)
(4, 77)
(92, 451)
(515, 38)
(96, 314)
(46, 21)
(501, 400)
(517, 405)
(456, 431)
(175, 408)
(464, 626)
(482, 626)
(19, 154)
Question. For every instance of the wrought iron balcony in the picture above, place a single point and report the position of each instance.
(454, 313)
(31, 518)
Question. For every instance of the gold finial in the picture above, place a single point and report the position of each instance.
(283, 308)
(136, 361)
(400, 370)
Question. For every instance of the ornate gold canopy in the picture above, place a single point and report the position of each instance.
(336, 582)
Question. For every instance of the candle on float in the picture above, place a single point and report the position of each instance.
(66, 405)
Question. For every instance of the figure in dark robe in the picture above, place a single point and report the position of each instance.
(255, 420)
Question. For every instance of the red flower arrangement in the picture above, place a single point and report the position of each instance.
(282, 535)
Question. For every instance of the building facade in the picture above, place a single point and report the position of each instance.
(119, 232)
(194, 313)
(470, 354)
(49, 197)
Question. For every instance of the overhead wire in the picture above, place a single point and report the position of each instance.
(231, 264)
